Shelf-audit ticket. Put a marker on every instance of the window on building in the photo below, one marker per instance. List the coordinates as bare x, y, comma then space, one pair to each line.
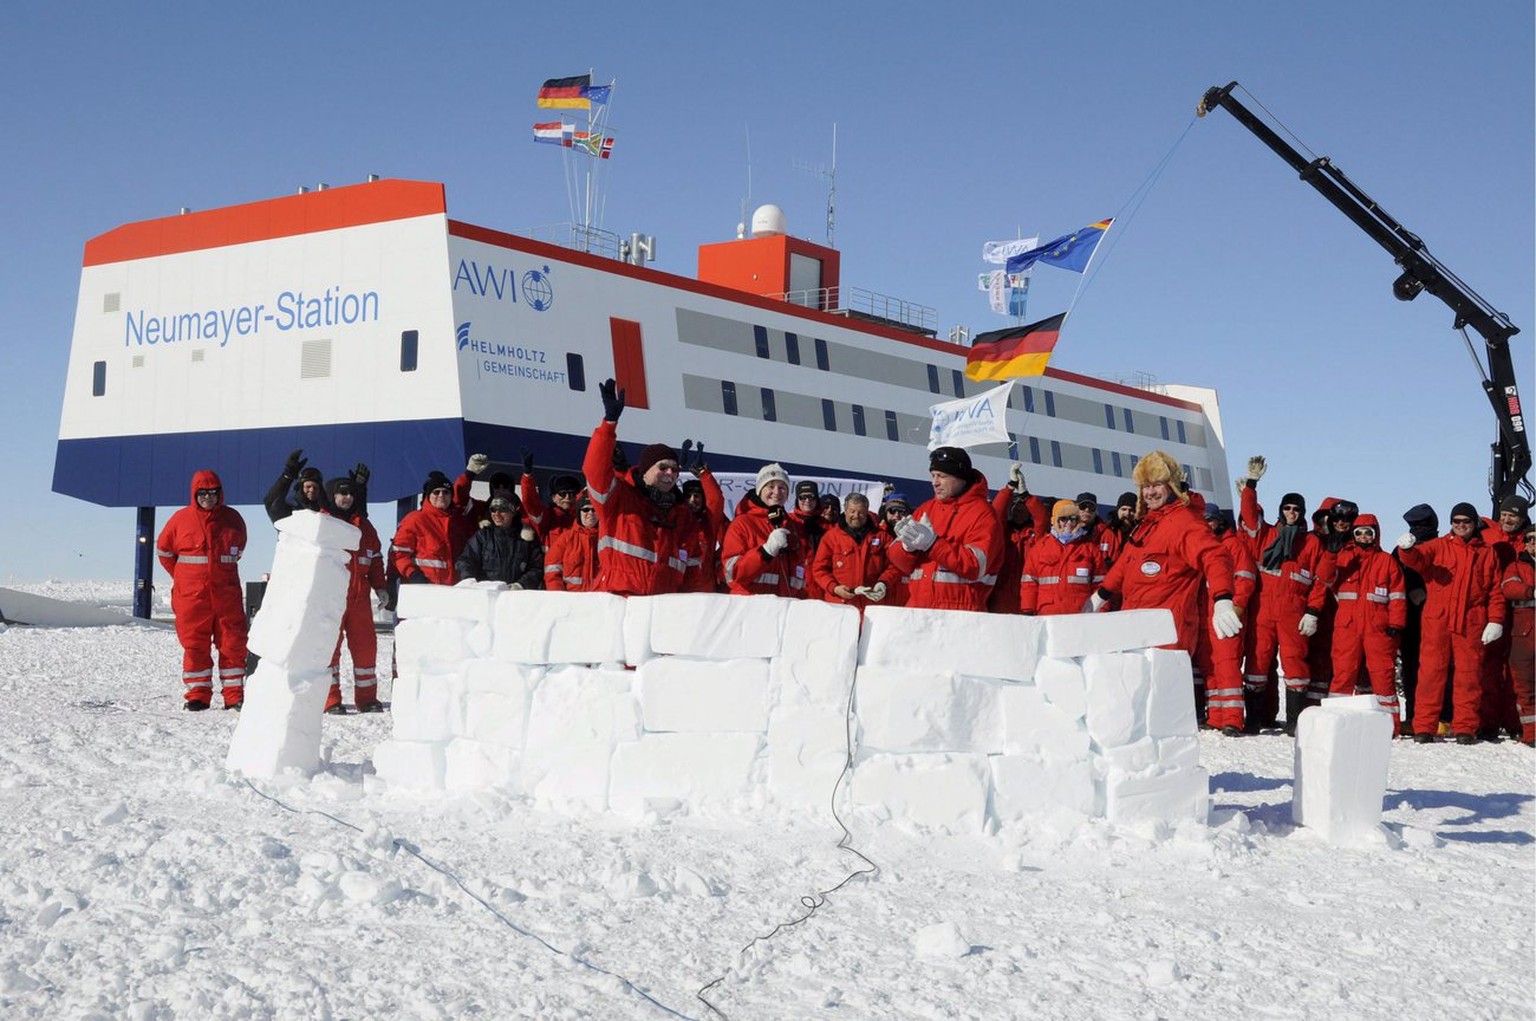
958, 378
1162, 420
770, 410
792, 348
933, 379
1114, 460
728, 396
858, 420
1130, 422
1098, 462
575, 372
1050, 404
408, 351
760, 338
892, 429
1180, 424
1029, 399
1109, 416
98, 379
822, 361
828, 415
1034, 449
1056, 453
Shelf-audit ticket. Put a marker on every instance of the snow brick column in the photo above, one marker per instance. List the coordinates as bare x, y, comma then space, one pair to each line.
295, 634
1343, 747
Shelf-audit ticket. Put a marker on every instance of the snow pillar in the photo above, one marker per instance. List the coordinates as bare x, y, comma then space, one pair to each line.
295, 634
1342, 750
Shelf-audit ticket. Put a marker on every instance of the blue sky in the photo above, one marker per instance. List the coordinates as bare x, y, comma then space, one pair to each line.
955, 126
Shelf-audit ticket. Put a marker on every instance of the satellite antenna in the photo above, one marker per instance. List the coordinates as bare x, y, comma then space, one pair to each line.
746, 202
822, 170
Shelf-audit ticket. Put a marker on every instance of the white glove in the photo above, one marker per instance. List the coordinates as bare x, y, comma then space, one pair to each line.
777, 542
514, 587
381, 596
1492, 632
477, 464
1307, 625
875, 592
1257, 466
1225, 620
1095, 602
915, 535
1240, 485
1406, 540
1016, 478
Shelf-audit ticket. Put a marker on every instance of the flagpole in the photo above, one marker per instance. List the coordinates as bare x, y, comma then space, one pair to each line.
1083, 281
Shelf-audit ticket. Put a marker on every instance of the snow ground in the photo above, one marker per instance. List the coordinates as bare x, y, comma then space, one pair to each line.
139, 880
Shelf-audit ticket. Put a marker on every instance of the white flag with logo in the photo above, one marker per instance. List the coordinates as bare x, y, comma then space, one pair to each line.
999, 252
971, 421
997, 292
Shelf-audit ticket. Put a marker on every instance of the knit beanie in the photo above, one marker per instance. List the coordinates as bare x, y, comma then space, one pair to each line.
1063, 509
436, 480
1465, 510
953, 461
769, 472
651, 455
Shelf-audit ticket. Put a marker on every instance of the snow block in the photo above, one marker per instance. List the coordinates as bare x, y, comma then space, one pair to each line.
425, 644
300, 614
807, 749
474, 765
507, 678
1061, 682
1178, 752
693, 768
918, 710
576, 719
1136, 757
1058, 793
475, 602
559, 627
1343, 749
495, 718
978, 644
280, 718
1080, 634
410, 765
322, 530
1173, 798
704, 696
1117, 696
637, 630
817, 655
1171, 694
941, 792
1033, 726
708, 625
428, 707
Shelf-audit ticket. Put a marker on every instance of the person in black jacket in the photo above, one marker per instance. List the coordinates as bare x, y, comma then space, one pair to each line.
308, 489
507, 550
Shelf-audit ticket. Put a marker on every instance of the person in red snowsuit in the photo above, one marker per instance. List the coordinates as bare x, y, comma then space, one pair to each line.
707, 502
1506, 537
200, 548
648, 537
561, 513
1464, 611
765, 550
1373, 610
571, 563
1062, 569
364, 586
1519, 588
807, 511
1294, 574
851, 564
428, 540
951, 547
1168, 554
1218, 660
1120, 524
1024, 519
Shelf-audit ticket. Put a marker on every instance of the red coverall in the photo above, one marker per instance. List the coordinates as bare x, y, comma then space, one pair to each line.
428, 541
1016, 542
200, 550
1373, 597
712, 522
1059, 577
1219, 661
571, 563
549, 521
854, 561
642, 550
748, 570
367, 576
1299, 585
958, 571
1462, 595
1519, 588
1499, 703
1162, 564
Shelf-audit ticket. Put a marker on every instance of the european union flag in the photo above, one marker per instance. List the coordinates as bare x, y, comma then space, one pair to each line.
1070, 251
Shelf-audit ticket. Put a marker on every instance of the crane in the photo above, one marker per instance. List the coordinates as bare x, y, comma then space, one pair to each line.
1421, 272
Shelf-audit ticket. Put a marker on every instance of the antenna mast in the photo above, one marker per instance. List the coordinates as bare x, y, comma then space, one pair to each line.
821, 170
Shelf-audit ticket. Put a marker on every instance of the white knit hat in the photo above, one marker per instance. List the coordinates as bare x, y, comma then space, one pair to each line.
768, 472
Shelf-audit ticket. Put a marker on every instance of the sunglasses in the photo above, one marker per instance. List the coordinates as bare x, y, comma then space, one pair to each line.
207, 492
1364, 532
1461, 521
440, 489
1292, 508
1065, 518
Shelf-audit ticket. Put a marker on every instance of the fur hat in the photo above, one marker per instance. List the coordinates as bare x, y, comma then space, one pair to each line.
649, 457
771, 472
436, 480
951, 461
1063, 509
1159, 466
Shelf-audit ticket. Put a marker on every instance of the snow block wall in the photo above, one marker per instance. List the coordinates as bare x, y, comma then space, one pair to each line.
961, 722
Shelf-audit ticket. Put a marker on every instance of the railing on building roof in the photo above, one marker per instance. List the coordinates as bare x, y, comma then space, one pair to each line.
866, 305
577, 237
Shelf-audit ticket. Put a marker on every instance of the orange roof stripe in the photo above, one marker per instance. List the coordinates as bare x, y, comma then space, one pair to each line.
331, 209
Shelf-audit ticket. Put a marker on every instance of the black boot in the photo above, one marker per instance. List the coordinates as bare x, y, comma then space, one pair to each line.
1251, 709
1295, 702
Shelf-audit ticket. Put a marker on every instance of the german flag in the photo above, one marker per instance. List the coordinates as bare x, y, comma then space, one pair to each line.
566, 93
1017, 351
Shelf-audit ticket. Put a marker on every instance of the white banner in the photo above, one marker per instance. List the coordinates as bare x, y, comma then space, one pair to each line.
971, 421
735, 485
997, 294
1016, 281
999, 252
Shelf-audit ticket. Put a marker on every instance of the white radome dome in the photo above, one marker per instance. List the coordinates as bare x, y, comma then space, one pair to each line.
768, 221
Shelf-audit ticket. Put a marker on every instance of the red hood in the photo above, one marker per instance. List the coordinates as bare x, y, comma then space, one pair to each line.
1369, 521
205, 479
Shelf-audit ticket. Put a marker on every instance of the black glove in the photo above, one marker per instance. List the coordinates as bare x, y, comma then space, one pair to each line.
417, 578
360, 473
613, 400
620, 460
699, 467
527, 461
295, 464
1394, 632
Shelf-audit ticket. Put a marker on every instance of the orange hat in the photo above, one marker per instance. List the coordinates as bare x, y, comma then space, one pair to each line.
1062, 509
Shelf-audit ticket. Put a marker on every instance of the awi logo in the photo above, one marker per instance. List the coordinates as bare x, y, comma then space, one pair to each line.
462, 333
537, 290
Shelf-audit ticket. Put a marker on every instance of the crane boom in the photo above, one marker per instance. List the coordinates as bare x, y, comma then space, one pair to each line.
1421, 272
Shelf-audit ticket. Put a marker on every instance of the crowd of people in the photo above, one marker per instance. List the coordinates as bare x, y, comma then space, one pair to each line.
1314, 603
